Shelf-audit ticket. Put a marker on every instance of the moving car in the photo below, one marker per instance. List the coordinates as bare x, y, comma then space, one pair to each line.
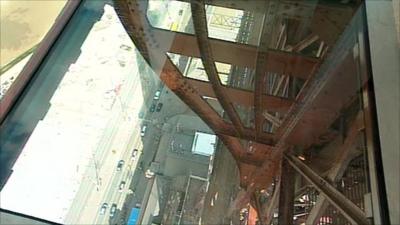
159, 106
121, 186
113, 210
143, 131
120, 165
157, 95
103, 208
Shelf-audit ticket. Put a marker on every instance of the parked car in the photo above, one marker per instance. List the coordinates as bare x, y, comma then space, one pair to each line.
134, 153
120, 165
103, 208
152, 108
157, 95
113, 210
121, 186
159, 106
143, 131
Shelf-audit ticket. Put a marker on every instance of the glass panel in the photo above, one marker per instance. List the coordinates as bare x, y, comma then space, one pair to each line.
246, 114
22, 27
170, 15
193, 67
83, 115
234, 25
99, 138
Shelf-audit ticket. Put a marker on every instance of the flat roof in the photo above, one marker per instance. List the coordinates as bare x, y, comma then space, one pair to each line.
204, 144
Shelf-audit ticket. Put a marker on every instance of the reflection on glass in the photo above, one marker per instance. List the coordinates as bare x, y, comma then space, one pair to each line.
89, 102
193, 67
170, 15
99, 139
23, 24
246, 114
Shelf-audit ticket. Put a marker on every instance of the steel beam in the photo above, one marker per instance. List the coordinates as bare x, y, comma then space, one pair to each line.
200, 27
258, 92
344, 154
269, 212
304, 123
256, 199
241, 55
351, 211
17, 87
174, 80
260, 75
170, 75
286, 196
243, 97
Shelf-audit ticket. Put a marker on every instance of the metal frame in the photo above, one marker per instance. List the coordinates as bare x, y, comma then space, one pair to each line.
17, 87
150, 42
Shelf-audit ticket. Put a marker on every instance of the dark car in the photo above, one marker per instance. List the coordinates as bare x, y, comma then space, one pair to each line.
120, 165
113, 210
152, 108
159, 106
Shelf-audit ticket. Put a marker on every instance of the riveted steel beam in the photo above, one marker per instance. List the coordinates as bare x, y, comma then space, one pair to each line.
269, 210
256, 199
200, 27
237, 54
132, 13
318, 104
258, 92
243, 97
351, 211
286, 196
344, 154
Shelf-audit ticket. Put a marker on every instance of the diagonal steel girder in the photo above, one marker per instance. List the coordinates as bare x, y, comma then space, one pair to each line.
344, 154
303, 124
132, 14
238, 54
351, 211
200, 27
243, 97
261, 63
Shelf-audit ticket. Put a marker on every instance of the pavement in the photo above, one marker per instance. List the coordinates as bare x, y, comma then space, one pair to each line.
121, 136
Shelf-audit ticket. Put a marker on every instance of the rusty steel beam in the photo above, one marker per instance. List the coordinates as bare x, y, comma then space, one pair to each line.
309, 118
131, 15
260, 75
241, 55
269, 211
344, 155
258, 92
273, 119
286, 196
200, 27
256, 200
243, 97
321, 109
238, 54
174, 80
351, 211
304, 43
